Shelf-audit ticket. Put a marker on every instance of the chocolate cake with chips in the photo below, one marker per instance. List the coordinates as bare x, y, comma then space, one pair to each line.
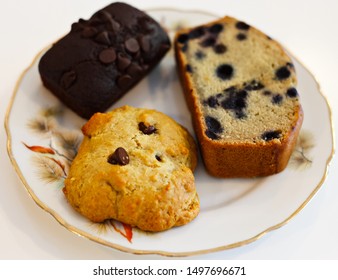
240, 86
102, 58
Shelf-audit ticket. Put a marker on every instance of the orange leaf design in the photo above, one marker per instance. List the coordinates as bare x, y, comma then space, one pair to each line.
40, 149
128, 230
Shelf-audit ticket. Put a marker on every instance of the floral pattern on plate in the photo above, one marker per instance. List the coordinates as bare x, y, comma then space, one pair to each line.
43, 140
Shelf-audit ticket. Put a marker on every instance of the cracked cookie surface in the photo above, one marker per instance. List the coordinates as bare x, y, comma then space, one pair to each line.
136, 166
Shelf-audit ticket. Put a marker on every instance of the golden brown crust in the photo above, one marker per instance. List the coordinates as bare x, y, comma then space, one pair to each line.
245, 160
154, 191
236, 158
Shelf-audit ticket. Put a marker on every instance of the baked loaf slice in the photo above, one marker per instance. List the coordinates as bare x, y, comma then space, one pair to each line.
136, 166
100, 59
240, 87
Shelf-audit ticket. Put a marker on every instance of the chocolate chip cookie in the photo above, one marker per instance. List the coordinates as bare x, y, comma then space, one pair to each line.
136, 166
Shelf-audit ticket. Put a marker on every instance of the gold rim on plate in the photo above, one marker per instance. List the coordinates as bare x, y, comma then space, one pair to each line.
84, 234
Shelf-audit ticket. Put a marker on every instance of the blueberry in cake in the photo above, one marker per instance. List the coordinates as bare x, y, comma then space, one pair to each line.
100, 59
240, 86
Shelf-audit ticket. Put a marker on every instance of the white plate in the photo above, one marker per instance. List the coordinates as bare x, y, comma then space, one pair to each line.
42, 135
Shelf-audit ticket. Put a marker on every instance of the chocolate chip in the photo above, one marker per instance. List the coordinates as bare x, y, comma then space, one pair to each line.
277, 99
95, 21
213, 125
83, 21
107, 56
103, 38
242, 25
267, 92
241, 36
145, 67
220, 48
145, 43
183, 38
282, 73
120, 157
271, 134
158, 158
89, 31
132, 45
76, 26
124, 81
113, 25
68, 79
105, 16
292, 92
150, 129
225, 71
216, 28
199, 55
122, 61
197, 32
134, 70
146, 24
137, 55
208, 42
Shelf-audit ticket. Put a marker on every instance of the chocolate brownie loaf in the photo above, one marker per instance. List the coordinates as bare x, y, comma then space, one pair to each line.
100, 59
240, 86
136, 166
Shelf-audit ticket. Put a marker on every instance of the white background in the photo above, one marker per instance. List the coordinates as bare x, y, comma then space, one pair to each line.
307, 28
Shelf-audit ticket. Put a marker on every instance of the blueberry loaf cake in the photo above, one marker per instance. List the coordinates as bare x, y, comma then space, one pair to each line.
240, 87
100, 59
136, 166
